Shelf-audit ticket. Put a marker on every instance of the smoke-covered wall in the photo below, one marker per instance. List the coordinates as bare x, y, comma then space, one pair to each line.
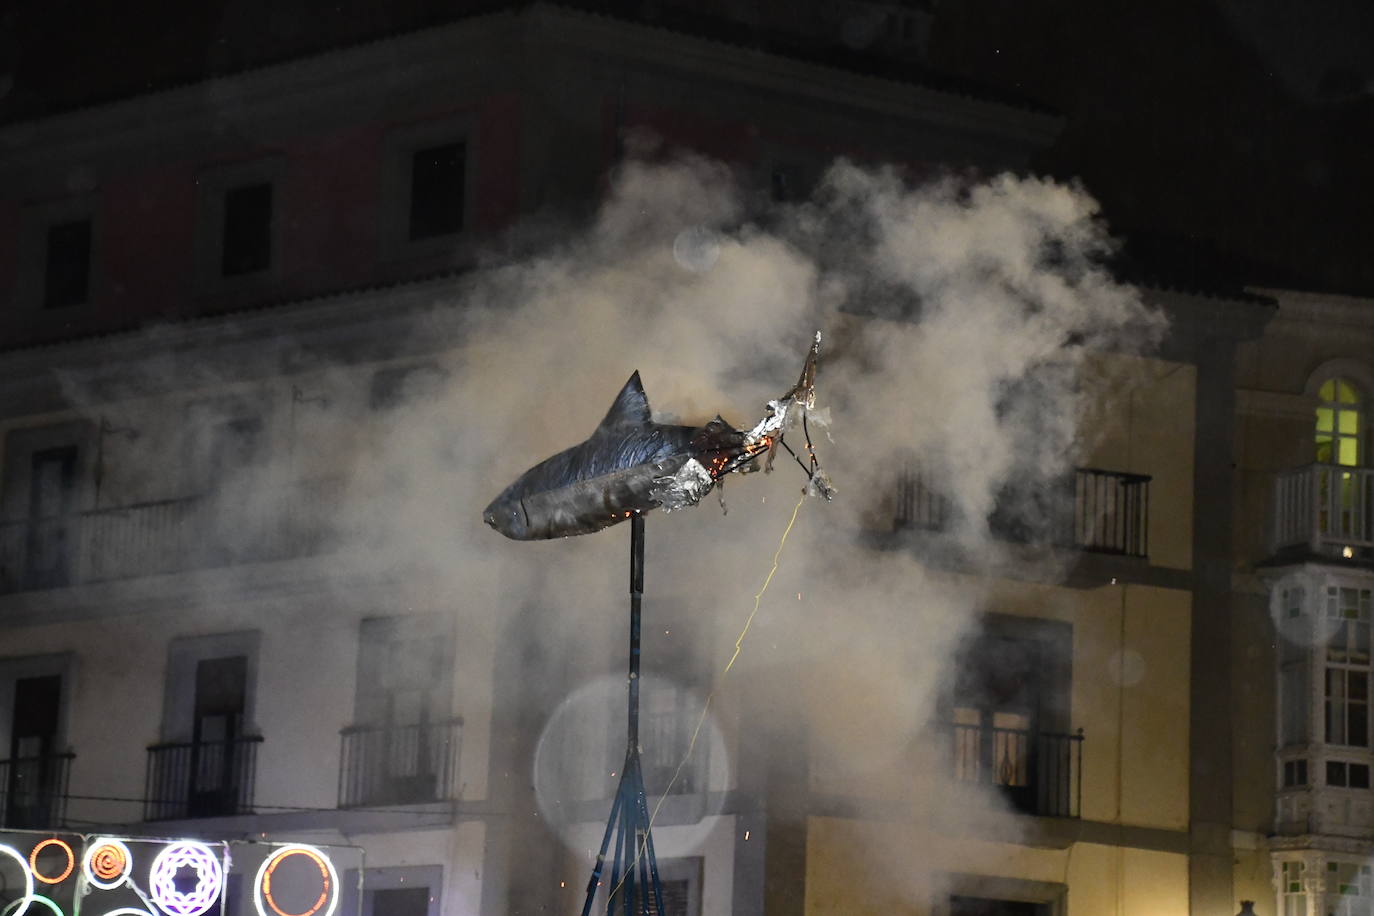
958, 320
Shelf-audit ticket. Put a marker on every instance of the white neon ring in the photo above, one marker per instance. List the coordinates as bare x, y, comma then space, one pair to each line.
28, 878
282, 852
104, 884
128, 911
46, 901
162, 879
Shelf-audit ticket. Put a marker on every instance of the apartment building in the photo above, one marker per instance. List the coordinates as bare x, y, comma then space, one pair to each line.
235, 606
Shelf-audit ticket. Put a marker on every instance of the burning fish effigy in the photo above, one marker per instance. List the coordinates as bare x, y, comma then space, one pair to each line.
631, 464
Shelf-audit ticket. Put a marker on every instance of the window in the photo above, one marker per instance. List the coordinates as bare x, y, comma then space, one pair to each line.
1295, 670
1292, 898
33, 771
428, 187
1347, 666
1295, 773
437, 179
205, 764
247, 238
669, 708
239, 225
1347, 775
67, 264
411, 890
1009, 714
1349, 889
984, 906
1339, 423
402, 747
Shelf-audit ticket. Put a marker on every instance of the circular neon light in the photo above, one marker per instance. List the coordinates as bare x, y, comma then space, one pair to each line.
29, 896
107, 863
39, 898
329, 880
128, 911
60, 844
162, 879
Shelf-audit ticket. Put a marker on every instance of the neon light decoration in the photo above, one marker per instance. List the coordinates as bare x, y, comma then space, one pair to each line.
37, 898
128, 911
28, 880
60, 844
107, 863
209, 879
329, 883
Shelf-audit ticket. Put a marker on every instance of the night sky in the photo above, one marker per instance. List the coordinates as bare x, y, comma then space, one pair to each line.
1238, 130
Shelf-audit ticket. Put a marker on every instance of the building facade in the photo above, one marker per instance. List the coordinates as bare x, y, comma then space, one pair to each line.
222, 298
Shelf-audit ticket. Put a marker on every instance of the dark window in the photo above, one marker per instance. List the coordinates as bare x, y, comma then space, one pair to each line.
67, 274
400, 901
1294, 773
221, 691
437, 191
1347, 775
247, 230
33, 772
1009, 715
983, 906
52, 491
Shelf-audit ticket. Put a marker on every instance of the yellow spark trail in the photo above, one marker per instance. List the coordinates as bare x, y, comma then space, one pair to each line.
706, 707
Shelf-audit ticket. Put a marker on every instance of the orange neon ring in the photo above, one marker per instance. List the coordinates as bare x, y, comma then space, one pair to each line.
33, 860
282, 857
109, 862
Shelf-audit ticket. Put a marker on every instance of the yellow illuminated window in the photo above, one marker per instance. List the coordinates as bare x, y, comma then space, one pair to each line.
1339, 423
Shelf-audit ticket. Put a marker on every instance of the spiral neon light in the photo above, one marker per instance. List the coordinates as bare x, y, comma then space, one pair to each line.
329, 880
29, 895
37, 898
107, 863
60, 844
162, 879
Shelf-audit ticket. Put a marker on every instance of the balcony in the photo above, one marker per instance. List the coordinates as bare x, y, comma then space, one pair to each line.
33, 791
1324, 510
1038, 772
1091, 510
200, 779
167, 536
399, 764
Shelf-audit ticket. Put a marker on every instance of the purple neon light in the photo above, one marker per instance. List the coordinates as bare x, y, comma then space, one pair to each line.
209, 879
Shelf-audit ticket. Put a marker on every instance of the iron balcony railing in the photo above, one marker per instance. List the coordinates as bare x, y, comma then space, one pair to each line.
166, 536
1093, 510
33, 791
200, 779
1040, 773
399, 764
1324, 509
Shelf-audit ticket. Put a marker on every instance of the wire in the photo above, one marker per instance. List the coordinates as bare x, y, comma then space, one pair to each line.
706, 707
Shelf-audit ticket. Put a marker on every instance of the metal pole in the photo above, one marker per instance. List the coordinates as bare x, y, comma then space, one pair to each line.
636, 600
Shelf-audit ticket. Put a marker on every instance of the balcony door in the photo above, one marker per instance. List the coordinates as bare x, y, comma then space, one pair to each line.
217, 727
997, 713
984, 906
32, 782
52, 488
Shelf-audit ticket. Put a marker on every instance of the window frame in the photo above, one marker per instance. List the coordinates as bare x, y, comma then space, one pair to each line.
212, 185
31, 283
184, 653
398, 151
395, 877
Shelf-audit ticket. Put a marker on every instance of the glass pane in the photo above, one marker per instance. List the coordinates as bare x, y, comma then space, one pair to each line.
1327, 392
1324, 421
1347, 392
1349, 452
1348, 421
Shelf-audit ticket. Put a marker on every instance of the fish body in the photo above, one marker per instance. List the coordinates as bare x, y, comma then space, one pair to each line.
621, 468
631, 464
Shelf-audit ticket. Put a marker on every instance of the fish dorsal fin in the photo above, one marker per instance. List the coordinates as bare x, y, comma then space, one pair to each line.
630, 407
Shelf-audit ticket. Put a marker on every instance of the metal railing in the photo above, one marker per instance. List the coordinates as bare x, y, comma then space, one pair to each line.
33, 791
200, 779
399, 764
165, 536
1110, 511
1040, 773
1324, 509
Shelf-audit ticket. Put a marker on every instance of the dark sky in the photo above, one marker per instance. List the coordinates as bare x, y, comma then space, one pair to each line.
1241, 126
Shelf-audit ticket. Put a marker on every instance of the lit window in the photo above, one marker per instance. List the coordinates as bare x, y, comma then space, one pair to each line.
1339, 423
